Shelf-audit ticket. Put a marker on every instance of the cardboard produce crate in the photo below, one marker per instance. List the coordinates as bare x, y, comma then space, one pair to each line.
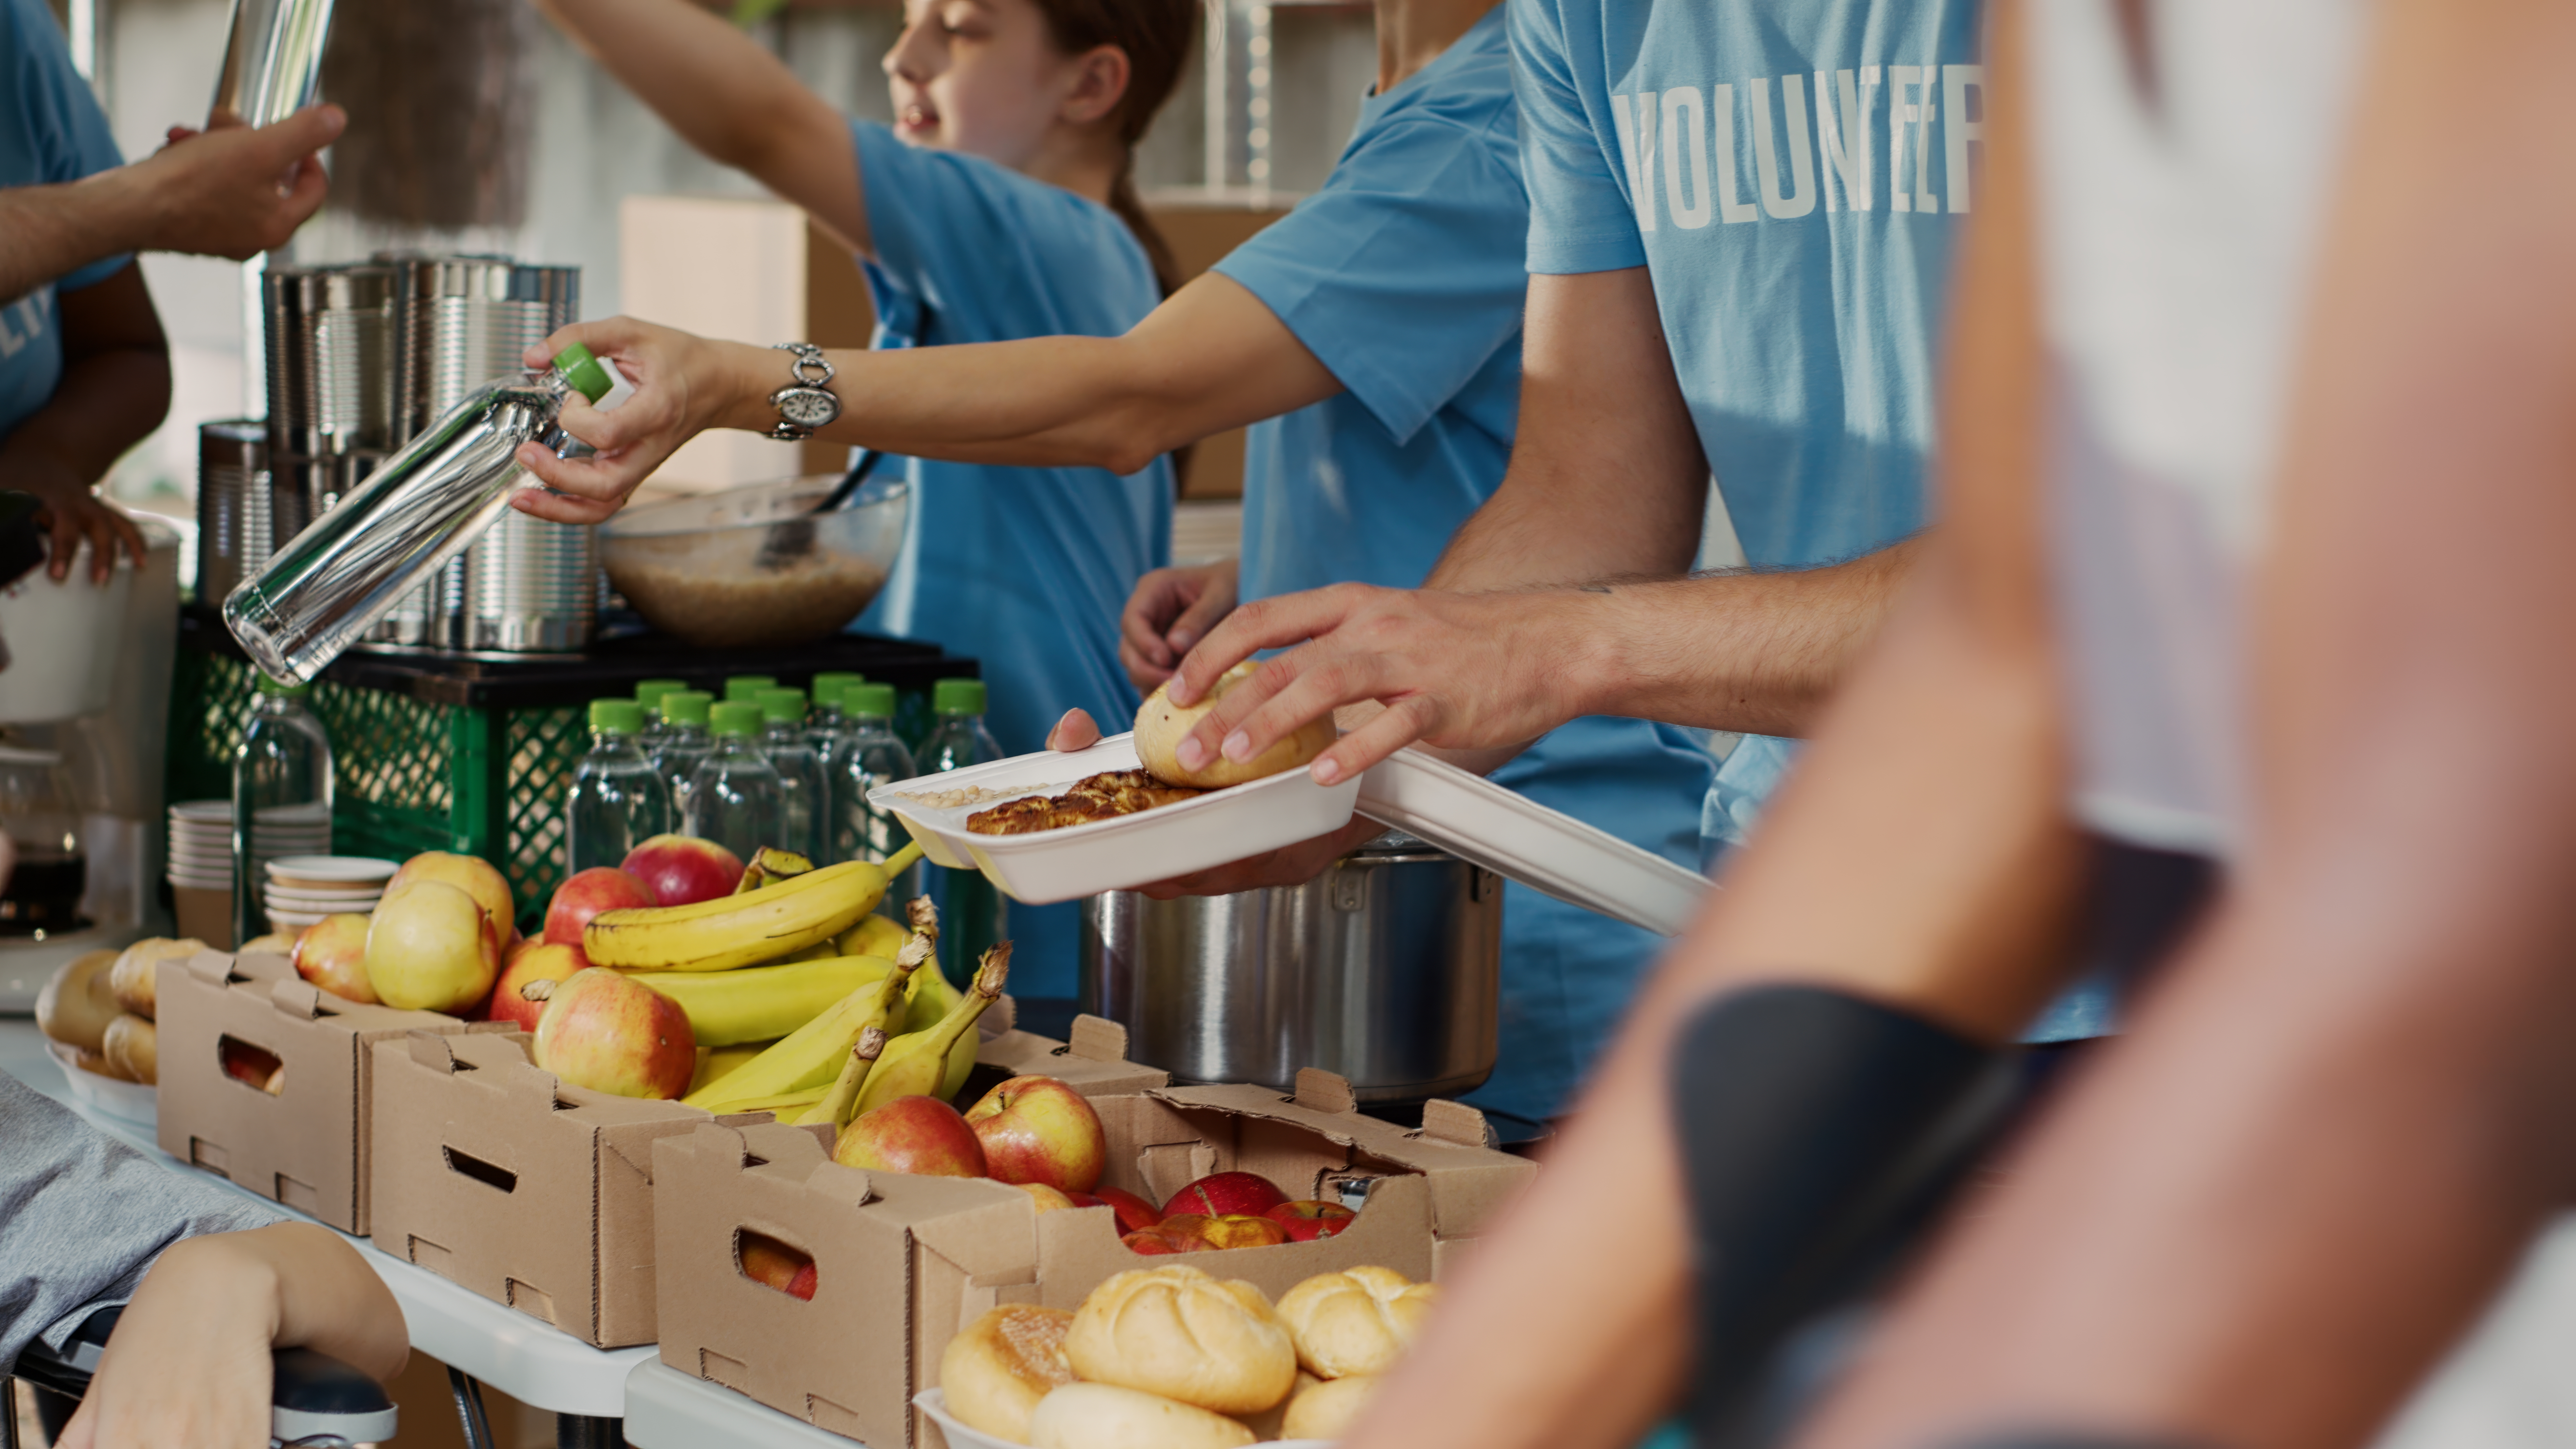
510, 1183
1094, 1062
902, 1262
308, 1147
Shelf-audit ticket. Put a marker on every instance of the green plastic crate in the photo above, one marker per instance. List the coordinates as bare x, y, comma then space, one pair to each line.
447, 753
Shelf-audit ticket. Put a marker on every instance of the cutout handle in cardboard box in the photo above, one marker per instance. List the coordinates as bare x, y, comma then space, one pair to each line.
1097, 1039
1447, 1121
297, 998
1322, 1091
213, 968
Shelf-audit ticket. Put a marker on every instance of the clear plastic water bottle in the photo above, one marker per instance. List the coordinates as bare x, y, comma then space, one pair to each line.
735, 799
618, 799
746, 688
871, 755
685, 742
423, 506
803, 809
826, 727
972, 912
281, 796
648, 693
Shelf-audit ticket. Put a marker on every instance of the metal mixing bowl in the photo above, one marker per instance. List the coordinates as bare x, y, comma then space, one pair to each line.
752, 567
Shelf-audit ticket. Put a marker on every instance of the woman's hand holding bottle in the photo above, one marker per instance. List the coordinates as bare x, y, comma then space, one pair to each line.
684, 385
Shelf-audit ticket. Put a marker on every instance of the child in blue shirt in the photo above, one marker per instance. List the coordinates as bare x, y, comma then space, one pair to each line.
1001, 204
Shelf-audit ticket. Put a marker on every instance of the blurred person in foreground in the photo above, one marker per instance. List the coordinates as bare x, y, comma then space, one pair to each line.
2255, 482
84, 370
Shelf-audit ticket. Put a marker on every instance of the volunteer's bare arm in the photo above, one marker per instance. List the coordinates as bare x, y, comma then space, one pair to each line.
115, 385
2330, 1137
1569, 1327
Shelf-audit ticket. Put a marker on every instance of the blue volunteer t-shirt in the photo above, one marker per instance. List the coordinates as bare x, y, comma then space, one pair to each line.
1793, 176
1024, 569
1403, 276
51, 131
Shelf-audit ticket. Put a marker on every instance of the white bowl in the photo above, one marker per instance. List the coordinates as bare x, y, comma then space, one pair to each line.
317, 870
131, 1101
1116, 854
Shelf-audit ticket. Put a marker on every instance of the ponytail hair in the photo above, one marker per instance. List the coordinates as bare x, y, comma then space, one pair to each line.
1156, 35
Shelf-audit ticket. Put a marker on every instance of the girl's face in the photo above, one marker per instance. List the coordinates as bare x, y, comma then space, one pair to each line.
984, 77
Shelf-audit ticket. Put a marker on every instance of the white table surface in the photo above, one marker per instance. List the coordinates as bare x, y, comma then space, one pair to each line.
528, 1359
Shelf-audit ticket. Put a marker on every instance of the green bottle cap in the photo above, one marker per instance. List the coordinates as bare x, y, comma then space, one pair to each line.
687, 706
957, 696
828, 685
616, 717
782, 706
736, 719
868, 701
649, 692
269, 684
583, 371
747, 687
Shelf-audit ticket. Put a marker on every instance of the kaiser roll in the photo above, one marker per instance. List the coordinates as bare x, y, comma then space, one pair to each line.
1180, 1333
1355, 1322
1160, 726
1104, 1416
134, 1045
1325, 1409
995, 1372
78, 1003
132, 976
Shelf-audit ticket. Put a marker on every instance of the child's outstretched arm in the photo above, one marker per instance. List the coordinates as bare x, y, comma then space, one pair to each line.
189, 1365
728, 97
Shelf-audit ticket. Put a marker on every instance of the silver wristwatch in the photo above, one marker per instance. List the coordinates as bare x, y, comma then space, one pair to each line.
805, 404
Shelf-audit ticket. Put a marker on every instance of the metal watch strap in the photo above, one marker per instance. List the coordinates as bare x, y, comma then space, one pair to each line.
811, 370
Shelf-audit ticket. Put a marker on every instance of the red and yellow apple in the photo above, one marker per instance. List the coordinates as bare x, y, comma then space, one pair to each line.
1311, 1218
1240, 1230
332, 954
1047, 1198
1037, 1129
1150, 1243
682, 870
250, 1065
532, 961
612, 1033
431, 948
474, 876
1134, 1213
920, 1135
767, 1261
1223, 1193
589, 892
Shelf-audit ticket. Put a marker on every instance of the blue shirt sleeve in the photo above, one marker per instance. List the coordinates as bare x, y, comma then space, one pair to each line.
1403, 275
991, 254
61, 126
1581, 217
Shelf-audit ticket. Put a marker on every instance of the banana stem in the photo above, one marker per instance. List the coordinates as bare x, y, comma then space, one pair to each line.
901, 861
838, 1104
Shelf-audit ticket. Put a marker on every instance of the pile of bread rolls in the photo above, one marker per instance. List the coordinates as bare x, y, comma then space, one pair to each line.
101, 1005
1174, 1358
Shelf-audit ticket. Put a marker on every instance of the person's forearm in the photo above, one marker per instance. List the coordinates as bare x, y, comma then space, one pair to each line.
327, 1299
48, 231
105, 403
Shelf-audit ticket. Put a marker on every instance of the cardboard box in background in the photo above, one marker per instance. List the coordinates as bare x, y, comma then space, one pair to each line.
309, 1146
903, 1262
1094, 1062
533, 1193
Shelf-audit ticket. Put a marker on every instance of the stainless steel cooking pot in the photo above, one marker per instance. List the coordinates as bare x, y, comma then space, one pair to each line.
1385, 969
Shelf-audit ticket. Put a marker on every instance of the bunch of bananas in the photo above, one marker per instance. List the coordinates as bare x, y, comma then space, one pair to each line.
798, 992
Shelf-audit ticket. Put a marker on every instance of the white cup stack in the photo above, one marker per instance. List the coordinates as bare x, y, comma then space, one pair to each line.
302, 889
201, 840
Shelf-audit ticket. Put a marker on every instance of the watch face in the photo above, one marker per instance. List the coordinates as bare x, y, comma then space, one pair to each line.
807, 407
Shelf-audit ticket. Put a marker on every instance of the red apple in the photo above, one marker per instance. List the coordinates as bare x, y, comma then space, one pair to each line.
532, 961
1309, 1219
247, 1064
332, 954
682, 870
1083, 1199
1134, 1213
613, 1033
474, 876
1037, 1129
1151, 1244
1220, 1194
1240, 1230
586, 894
767, 1261
430, 947
1187, 1232
1047, 1198
920, 1135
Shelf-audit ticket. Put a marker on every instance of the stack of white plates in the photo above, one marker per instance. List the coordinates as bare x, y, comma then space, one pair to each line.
302, 889
201, 840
